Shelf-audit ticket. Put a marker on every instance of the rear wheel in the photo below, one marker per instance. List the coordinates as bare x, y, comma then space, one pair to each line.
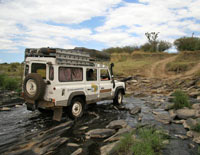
76, 109
118, 98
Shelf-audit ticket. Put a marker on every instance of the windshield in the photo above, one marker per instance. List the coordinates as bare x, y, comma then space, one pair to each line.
39, 69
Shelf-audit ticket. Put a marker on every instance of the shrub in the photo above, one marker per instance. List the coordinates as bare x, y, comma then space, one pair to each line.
8, 83
2, 78
187, 43
180, 100
125, 49
148, 142
164, 45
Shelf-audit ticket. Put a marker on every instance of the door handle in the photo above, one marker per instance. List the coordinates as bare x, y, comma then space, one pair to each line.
89, 89
102, 87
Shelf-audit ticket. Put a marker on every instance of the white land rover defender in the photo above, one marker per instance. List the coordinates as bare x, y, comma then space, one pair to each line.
68, 79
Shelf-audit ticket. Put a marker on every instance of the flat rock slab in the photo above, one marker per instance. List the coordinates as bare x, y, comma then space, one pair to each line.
186, 113
107, 149
163, 118
117, 124
135, 110
100, 133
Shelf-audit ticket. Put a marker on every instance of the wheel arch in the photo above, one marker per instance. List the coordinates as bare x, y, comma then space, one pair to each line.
120, 88
80, 94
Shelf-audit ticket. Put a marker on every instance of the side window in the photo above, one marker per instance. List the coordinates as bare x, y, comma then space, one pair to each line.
51, 73
39, 69
91, 74
104, 75
69, 74
26, 69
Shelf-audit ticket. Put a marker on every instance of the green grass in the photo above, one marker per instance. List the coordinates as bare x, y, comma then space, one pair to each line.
135, 63
184, 62
147, 142
9, 83
180, 100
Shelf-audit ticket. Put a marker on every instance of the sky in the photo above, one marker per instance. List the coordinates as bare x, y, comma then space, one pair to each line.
96, 24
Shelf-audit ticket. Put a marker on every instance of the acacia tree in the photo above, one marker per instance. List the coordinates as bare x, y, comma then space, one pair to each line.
152, 38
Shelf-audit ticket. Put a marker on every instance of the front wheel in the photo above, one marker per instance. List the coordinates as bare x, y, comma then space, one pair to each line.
118, 98
76, 109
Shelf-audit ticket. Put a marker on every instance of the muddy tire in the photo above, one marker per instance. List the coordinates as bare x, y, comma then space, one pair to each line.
34, 87
76, 109
118, 98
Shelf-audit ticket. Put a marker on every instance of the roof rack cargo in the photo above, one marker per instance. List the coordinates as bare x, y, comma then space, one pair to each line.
77, 56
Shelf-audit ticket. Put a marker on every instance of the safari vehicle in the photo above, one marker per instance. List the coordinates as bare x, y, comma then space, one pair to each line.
67, 79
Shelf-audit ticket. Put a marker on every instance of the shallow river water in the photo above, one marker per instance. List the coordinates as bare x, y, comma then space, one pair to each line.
19, 127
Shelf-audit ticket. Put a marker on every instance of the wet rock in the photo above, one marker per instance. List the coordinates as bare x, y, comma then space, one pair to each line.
72, 145
196, 140
18, 106
146, 81
165, 142
196, 106
163, 118
100, 133
135, 110
178, 121
181, 136
117, 135
194, 94
172, 114
198, 97
84, 128
108, 149
5, 109
189, 123
186, 113
77, 152
191, 146
117, 124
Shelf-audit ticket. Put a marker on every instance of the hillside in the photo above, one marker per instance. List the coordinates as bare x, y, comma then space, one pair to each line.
157, 65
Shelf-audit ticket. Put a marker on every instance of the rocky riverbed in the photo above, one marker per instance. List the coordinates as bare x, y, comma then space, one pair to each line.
148, 102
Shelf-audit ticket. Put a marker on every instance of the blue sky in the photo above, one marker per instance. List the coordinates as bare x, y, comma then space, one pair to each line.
94, 24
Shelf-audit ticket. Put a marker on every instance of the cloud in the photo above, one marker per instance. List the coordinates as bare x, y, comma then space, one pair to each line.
172, 18
68, 23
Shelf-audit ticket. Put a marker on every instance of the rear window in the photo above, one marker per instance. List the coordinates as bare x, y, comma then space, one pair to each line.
69, 74
39, 69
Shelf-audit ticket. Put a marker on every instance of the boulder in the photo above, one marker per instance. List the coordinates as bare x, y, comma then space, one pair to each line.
172, 114
72, 145
163, 118
196, 106
135, 110
186, 113
100, 133
5, 109
189, 123
107, 149
77, 152
117, 124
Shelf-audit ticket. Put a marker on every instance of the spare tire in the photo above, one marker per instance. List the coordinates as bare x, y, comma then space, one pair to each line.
34, 86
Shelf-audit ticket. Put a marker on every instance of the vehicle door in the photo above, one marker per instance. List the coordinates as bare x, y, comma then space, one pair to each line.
92, 85
105, 84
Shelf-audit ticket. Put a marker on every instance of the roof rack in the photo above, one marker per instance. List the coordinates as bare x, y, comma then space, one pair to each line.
63, 56
78, 56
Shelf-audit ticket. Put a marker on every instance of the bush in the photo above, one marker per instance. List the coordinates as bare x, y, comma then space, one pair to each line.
187, 43
161, 46
164, 45
125, 49
8, 83
180, 100
149, 141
